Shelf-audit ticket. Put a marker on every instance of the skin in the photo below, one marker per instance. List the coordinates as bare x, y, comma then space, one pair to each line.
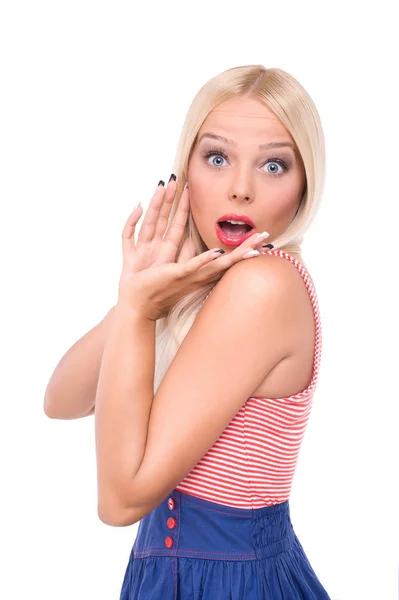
242, 183
145, 448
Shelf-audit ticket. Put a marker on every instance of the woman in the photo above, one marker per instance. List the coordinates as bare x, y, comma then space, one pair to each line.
200, 414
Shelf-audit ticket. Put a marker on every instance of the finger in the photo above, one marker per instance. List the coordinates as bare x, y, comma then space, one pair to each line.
206, 259
226, 260
176, 229
213, 261
187, 252
166, 207
147, 230
254, 241
130, 226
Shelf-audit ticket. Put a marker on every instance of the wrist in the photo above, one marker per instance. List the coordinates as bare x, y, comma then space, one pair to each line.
125, 311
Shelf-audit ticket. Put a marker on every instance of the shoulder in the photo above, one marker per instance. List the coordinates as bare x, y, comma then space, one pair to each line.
263, 297
267, 275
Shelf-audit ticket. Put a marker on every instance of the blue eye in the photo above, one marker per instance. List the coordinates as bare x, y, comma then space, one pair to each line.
219, 152
215, 153
277, 161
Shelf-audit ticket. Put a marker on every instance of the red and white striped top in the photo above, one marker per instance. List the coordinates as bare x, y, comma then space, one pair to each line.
252, 463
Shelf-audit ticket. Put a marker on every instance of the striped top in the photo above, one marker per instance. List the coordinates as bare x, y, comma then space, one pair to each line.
252, 463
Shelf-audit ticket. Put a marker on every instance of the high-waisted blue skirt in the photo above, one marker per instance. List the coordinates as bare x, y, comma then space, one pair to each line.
188, 548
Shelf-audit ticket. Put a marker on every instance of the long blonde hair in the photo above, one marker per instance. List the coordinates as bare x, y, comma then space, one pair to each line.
289, 101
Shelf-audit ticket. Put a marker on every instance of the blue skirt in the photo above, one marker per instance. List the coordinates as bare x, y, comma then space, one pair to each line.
188, 548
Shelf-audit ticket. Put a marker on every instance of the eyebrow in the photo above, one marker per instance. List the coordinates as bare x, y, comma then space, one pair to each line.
266, 146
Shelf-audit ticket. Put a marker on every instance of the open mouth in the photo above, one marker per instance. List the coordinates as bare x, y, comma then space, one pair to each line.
234, 230
231, 234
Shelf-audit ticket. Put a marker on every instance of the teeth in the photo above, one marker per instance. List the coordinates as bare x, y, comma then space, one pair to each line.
236, 222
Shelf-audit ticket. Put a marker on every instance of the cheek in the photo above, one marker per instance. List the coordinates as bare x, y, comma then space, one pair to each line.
282, 207
281, 201
285, 195
198, 183
200, 210
201, 193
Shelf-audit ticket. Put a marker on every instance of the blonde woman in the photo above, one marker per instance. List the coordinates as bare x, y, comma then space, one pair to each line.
201, 407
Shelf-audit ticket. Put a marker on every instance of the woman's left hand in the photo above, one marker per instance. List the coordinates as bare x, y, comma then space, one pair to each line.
151, 281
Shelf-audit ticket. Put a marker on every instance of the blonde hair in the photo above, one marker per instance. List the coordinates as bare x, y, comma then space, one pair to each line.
289, 101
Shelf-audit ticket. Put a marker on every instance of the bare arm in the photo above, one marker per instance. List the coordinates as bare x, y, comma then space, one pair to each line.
71, 391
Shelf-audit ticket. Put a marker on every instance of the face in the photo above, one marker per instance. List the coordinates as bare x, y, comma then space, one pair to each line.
238, 178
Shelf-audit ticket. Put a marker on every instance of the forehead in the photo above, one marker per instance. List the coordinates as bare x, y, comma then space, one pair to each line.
244, 117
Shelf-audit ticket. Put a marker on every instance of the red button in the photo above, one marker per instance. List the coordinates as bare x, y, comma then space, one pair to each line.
168, 542
171, 503
171, 523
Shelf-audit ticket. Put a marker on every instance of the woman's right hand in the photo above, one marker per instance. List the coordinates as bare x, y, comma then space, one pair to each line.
150, 248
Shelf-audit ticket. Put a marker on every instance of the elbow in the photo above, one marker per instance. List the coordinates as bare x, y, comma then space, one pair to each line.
63, 412
52, 413
49, 409
117, 518
112, 511
49, 406
106, 518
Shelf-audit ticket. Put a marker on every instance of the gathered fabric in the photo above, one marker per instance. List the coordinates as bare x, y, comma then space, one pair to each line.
189, 548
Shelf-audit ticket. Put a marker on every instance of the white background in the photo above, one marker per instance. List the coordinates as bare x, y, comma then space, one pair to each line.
93, 99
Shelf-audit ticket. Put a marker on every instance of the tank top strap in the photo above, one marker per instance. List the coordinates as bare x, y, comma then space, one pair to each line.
316, 310
304, 273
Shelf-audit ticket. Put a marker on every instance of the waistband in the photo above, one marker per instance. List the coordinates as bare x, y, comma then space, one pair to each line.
185, 525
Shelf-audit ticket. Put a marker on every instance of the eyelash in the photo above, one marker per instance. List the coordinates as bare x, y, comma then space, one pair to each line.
218, 151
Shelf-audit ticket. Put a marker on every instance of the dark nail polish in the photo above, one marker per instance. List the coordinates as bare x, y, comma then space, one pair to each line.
173, 176
268, 246
221, 251
161, 183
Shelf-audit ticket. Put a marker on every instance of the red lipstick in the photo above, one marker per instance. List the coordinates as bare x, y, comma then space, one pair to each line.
230, 239
232, 217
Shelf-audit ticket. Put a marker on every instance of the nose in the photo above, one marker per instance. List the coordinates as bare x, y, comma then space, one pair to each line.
235, 196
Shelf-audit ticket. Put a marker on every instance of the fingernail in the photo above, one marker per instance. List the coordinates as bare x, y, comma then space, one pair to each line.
268, 246
251, 253
173, 176
161, 182
261, 237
